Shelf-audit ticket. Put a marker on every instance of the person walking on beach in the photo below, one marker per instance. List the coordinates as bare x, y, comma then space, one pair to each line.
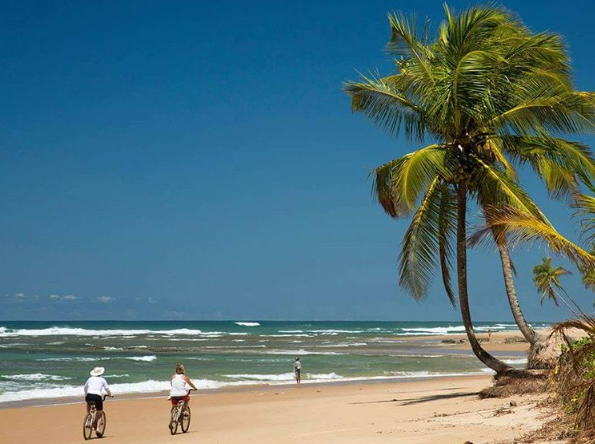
180, 384
95, 387
297, 369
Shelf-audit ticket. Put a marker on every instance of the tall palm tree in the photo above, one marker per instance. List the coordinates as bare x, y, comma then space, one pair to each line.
489, 94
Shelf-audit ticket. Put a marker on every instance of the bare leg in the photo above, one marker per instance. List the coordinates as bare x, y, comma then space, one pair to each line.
99, 418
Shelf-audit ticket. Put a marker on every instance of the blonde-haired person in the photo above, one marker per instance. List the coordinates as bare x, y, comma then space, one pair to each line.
180, 386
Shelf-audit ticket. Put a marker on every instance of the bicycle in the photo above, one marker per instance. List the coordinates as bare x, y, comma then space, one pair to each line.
180, 416
89, 424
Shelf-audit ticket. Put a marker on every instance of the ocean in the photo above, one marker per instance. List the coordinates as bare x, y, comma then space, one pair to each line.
48, 360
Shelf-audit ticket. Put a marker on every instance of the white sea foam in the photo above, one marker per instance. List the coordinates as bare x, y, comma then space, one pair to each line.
248, 324
300, 352
68, 331
143, 358
296, 335
515, 361
451, 329
35, 377
100, 358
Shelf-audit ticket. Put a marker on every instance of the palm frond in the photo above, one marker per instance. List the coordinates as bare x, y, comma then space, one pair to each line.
523, 228
585, 209
422, 240
446, 232
413, 173
549, 109
560, 163
387, 107
381, 189
500, 189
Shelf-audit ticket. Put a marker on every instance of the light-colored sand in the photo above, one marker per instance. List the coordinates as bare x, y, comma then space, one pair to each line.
439, 411
498, 342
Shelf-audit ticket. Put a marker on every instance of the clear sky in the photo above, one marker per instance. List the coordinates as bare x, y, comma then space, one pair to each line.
199, 160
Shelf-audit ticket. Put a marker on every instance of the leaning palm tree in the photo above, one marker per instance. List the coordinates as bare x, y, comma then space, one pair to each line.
489, 94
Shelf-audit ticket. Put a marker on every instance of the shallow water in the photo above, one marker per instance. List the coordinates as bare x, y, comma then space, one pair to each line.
41, 360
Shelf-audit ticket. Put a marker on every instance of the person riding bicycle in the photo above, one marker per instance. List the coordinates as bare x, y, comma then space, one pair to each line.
179, 386
95, 387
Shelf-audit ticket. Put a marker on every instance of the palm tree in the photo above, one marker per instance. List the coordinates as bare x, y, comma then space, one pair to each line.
588, 278
489, 94
546, 278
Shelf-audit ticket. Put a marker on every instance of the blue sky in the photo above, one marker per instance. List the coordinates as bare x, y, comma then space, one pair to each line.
198, 160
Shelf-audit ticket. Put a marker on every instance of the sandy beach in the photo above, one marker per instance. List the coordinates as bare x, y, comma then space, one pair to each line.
499, 342
445, 410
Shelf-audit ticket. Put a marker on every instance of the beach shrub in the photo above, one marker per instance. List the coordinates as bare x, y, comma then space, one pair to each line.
574, 376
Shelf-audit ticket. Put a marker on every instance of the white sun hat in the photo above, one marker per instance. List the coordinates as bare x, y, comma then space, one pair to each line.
97, 371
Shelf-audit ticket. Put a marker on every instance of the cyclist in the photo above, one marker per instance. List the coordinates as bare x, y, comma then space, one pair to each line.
95, 387
179, 386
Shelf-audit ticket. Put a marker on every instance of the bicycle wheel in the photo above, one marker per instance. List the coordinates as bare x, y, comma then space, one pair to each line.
173, 422
88, 426
185, 419
101, 424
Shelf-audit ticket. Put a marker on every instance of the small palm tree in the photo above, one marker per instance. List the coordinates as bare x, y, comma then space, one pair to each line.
546, 278
489, 94
588, 274
589, 279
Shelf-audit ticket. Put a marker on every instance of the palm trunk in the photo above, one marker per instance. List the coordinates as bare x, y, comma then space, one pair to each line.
490, 361
513, 300
580, 312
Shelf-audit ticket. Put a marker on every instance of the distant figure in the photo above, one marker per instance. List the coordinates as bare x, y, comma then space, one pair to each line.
95, 387
297, 369
489, 335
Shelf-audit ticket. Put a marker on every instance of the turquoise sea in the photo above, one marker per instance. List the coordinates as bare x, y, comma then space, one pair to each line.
48, 360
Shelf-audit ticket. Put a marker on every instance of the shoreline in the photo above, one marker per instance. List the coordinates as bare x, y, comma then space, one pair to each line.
436, 411
72, 400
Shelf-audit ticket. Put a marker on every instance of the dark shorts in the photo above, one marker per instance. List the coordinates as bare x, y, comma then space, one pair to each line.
297, 372
176, 399
98, 400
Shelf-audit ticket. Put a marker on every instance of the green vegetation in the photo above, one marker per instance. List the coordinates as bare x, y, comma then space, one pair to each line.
490, 95
574, 376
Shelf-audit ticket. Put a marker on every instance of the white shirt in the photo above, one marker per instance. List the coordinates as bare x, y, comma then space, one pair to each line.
179, 386
297, 365
95, 385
